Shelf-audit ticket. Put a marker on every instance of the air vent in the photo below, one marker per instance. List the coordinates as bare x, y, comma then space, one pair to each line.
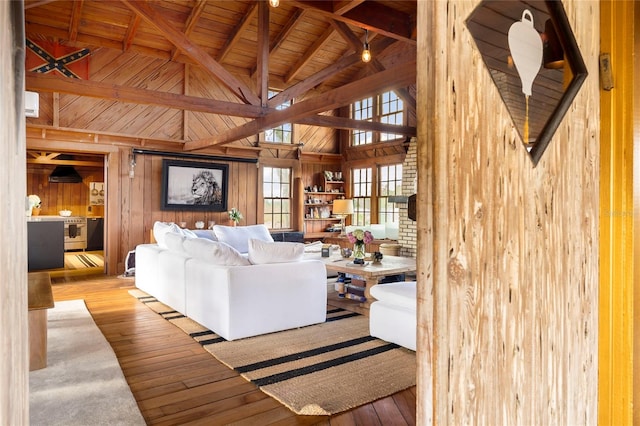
32, 104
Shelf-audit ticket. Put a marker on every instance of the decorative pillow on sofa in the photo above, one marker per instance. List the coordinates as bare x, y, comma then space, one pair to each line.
160, 229
238, 236
205, 233
277, 252
214, 252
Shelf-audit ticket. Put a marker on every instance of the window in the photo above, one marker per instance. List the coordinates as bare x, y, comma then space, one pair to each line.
385, 108
389, 184
361, 197
282, 133
276, 191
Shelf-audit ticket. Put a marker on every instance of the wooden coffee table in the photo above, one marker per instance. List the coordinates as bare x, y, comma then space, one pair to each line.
390, 265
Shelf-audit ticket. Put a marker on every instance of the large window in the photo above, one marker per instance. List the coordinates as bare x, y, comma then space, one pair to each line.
276, 191
361, 197
282, 133
389, 184
385, 108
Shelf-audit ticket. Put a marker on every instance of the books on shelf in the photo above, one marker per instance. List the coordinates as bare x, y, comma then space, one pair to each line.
355, 297
354, 289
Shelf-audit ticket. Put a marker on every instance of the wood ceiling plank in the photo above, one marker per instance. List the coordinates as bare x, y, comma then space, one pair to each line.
235, 35
154, 18
49, 83
400, 76
309, 54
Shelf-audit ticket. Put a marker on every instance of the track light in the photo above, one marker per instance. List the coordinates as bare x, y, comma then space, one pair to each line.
274, 3
366, 52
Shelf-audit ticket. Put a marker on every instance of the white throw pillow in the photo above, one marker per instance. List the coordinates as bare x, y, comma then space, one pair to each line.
162, 228
238, 236
277, 252
213, 252
174, 241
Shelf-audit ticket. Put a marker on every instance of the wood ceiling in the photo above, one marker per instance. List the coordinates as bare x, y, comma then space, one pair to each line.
308, 49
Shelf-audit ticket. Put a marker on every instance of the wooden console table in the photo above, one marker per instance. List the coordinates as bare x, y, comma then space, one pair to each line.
40, 299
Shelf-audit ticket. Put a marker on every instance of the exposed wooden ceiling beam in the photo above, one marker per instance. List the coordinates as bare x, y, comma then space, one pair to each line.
322, 75
134, 23
372, 16
191, 23
94, 89
198, 54
29, 5
262, 61
309, 54
76, 12
234, 37
286, 30
350, 124
400, 76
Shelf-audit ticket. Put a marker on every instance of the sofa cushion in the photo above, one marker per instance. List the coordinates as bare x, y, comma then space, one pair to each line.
402, 294
173, 241
160, 229
214, 252
205, 233
261, 252
238, 236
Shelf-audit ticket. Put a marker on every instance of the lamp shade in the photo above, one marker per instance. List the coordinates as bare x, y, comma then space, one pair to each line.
342, 207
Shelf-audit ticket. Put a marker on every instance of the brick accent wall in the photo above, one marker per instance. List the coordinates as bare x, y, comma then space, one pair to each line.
407, 237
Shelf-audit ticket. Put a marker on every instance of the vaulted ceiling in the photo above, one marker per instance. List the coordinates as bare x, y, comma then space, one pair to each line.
310, 50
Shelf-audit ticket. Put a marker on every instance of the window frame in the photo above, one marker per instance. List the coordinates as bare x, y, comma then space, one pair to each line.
375, 112
282, 201
284, 128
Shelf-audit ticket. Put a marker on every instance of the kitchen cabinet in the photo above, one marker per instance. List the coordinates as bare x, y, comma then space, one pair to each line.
95, 233
45, 245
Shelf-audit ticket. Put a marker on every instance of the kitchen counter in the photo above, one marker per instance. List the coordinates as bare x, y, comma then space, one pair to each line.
45, 218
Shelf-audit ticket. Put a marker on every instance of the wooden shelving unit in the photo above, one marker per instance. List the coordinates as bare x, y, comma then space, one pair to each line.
318, 209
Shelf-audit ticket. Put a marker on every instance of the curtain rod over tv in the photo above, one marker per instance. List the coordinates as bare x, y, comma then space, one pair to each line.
196, 156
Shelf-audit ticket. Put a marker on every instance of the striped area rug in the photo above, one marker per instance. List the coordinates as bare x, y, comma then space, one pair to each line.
83, 260
321, 369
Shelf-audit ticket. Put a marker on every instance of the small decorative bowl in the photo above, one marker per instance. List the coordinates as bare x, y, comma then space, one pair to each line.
65, 213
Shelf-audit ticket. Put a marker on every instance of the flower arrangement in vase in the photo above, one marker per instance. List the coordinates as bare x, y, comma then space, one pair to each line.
235, 216
34, 205
359, 238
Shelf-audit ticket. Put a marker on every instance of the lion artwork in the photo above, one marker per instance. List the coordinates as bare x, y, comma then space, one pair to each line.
205, 189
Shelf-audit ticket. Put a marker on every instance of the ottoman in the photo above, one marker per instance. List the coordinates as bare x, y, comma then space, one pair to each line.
392, 317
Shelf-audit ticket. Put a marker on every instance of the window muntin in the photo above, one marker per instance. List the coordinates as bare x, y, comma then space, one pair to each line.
284, 132
384, 108
389, 184
362, 184
276, 192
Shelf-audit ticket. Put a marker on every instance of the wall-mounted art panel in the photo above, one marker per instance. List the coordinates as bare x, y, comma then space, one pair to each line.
533, 58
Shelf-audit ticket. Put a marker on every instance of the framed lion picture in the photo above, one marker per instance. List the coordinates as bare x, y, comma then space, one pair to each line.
196, 186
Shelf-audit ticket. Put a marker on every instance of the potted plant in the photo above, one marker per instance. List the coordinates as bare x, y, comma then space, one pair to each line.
235, 216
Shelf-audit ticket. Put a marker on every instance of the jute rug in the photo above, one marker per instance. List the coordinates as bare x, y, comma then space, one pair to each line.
321, 369
82, 383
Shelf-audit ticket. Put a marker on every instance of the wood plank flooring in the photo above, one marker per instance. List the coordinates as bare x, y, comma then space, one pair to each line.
175, 381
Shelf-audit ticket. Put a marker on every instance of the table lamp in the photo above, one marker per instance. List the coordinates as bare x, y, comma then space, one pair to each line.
341, 209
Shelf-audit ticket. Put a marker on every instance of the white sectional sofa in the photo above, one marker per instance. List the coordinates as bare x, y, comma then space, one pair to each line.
244, 284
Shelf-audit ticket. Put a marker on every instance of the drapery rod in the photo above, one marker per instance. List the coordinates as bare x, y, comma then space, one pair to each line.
197, 156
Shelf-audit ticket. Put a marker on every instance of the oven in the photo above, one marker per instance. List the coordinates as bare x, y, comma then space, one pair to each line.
75, 233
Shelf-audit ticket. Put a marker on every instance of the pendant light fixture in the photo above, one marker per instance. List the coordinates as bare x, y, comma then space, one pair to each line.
274, 3
366, 52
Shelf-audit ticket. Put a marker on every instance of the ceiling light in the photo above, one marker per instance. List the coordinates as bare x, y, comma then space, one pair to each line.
366, 52
274, 3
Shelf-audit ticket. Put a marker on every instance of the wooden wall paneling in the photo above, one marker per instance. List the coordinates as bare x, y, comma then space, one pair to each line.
14, 362
515, 261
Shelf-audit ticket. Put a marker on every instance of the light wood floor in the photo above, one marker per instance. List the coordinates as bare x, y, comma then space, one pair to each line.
175, 381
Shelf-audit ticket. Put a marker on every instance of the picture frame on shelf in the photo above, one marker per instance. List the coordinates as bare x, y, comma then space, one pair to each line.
194, 186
